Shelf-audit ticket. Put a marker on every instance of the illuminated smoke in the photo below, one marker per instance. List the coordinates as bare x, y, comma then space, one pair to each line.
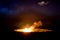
33, 28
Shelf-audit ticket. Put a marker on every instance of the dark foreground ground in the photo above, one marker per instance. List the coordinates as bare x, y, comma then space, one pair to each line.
32, 36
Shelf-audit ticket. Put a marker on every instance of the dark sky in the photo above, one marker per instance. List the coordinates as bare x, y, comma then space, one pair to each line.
16, 7
13, 7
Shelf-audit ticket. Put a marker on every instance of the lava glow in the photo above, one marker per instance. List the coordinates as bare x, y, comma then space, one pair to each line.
27, 30
33, 28
24, 30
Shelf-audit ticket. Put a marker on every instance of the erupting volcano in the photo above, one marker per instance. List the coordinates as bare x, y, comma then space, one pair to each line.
33, 28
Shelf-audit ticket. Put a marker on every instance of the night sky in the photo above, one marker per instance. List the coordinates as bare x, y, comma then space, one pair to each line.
12, 10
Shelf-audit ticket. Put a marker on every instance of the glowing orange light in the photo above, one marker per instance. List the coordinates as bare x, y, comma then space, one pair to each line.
33, 28
26, 30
